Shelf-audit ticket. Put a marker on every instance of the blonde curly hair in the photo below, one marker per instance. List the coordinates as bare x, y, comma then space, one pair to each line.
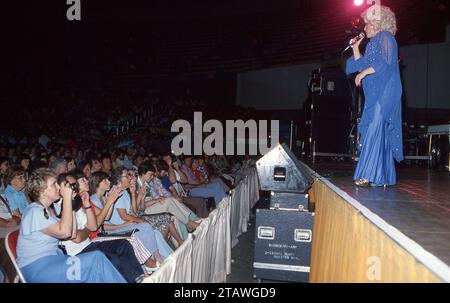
37, 182
383, 21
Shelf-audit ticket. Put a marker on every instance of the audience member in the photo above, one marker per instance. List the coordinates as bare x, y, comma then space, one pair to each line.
38, 255
58, 166
119, 252
15, 180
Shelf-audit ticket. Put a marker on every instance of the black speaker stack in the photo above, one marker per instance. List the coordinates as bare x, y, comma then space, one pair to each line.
284, 233
327, 115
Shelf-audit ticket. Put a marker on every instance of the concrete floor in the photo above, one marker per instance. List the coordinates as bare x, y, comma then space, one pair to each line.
242, 254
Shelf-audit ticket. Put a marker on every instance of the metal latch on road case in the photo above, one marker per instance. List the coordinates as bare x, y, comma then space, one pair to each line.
302, 235
266, 232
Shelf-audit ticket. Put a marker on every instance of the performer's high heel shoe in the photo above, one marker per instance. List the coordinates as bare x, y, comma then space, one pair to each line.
362, 183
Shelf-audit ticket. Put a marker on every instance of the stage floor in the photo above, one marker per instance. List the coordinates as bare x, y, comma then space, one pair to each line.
418, 206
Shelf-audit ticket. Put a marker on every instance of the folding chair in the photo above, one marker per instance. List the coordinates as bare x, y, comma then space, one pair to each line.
11, 245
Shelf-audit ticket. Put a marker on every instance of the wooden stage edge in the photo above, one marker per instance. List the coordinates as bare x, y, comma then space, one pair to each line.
346, 233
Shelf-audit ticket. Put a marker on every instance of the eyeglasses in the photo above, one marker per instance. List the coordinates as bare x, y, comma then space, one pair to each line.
128, 175
23, 177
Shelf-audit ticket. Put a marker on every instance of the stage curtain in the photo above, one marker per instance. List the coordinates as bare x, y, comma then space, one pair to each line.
206, 255
243, 197
212, 246
254, 188
236, 211
177, 267
245, 213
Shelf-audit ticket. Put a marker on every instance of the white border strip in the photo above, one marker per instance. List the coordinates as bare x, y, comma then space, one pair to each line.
433, 263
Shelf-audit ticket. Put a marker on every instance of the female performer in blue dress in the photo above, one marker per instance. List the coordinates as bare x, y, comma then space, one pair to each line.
380, 125
38, 255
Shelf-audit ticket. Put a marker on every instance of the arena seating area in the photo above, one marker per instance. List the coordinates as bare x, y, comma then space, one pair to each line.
253, 41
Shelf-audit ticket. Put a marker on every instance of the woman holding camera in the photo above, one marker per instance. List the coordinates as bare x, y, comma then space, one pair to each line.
38, 255
118, 251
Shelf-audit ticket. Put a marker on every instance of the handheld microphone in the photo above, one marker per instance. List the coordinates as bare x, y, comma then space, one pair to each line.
362, 35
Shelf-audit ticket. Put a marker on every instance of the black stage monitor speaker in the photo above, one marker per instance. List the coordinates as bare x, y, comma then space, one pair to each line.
280, 170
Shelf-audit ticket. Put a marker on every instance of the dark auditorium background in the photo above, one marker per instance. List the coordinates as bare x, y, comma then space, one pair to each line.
210, 50
123, 73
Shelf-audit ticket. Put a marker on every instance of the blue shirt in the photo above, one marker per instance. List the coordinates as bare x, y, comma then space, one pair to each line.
16, 199
189, 174
33, 244
123, 202
166, 183
97, 202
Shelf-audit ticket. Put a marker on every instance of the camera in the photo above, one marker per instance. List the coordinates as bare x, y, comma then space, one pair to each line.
75, 187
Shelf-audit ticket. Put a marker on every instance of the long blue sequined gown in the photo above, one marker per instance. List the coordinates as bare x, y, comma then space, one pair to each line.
380, 126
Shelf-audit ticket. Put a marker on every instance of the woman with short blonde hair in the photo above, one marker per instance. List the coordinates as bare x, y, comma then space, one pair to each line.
379, 75
382, 18
38, 255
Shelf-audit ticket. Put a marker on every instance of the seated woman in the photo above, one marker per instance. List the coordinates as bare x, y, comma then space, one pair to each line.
124, 219
157, 199
199, 188
71, 165
103, 207
201, 174
4, 164
208, 173
119, 252
15, 180
161, 221
171, 177
8, 222
38, 255
220, 163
